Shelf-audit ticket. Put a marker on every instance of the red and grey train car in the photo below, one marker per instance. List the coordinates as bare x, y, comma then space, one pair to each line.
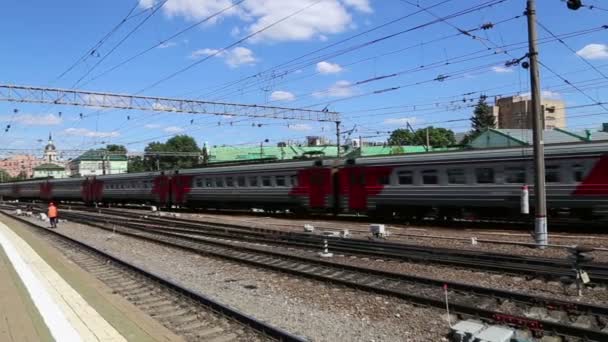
483, 182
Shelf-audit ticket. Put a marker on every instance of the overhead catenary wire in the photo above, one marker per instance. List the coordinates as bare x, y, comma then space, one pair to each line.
571, 49
97, 45
378, 40
341, 41
165, 40
222, 50
120, 42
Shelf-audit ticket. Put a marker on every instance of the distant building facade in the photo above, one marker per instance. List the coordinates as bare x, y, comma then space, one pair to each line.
97, 163
20, 164
24, 164
50, 170
494, 138
515, 112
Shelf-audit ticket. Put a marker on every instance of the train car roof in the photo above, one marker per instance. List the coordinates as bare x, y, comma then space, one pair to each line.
551, 151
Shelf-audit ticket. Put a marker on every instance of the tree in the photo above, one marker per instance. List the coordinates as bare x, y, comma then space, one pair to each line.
438, 137
483, 118
167, 155
136, 164
401, 136
116, 149
4, 176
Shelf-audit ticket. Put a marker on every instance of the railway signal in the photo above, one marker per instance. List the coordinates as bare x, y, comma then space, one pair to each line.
580, 255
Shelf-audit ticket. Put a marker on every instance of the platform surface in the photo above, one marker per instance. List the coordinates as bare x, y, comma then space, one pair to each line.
48, 298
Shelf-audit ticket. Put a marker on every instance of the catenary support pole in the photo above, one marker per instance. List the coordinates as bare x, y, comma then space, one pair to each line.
338, 139
540, 223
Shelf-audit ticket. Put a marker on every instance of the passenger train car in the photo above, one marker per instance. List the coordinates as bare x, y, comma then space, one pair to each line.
453, 184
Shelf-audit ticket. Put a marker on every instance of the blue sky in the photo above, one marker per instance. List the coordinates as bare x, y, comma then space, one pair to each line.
43, 39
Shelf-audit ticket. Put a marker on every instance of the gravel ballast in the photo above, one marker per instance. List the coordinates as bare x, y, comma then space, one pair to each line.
318, 311
458, 238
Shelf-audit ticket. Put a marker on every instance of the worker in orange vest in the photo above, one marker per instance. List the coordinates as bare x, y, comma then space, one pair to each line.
53, 213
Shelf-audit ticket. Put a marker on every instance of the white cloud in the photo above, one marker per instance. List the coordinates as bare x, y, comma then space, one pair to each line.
204, 52
34, 120
152, 126
594, 51
339, 89
546, 94
359, 5
501, 69
234, 58
240, 56
235, 32
83, 132
281, 95
173, 129
328, 68
401, 121
300, 127
323, 18
166, 45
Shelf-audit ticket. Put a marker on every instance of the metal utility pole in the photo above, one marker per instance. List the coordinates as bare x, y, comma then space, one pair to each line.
338, 138
540, 223
428, 140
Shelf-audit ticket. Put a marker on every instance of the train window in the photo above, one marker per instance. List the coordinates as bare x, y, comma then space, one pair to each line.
229, 181
122, 185
280, 180
578, 171
430, 177
219, 182
552, 174
294, 180
456, 176
253, 181
384, 179
266, 181
406, 177
484, 175
199, 182
515, 174
240, 181
208, 182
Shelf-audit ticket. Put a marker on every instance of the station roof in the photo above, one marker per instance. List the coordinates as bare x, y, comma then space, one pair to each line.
523, 137
49, 167
98, 155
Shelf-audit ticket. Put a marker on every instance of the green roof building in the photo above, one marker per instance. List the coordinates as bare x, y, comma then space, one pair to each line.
49, 170
98, 162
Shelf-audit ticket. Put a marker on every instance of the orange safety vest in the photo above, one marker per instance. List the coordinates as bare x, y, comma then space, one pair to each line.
52, 211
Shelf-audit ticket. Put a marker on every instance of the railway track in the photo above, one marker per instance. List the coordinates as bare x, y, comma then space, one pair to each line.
538, 315
188, 314
550, 268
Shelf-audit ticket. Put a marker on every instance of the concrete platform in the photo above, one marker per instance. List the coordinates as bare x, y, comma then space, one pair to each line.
46, 297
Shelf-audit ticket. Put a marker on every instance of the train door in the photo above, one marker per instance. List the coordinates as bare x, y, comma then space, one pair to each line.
161, 189
180, 187
46, 190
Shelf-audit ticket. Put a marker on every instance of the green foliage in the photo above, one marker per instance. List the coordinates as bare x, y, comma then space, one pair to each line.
136, 164
401, 136
4, 176
438, 137
116, 149
483, 119
168, 157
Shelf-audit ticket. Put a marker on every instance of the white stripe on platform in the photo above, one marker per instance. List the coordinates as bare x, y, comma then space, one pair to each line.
55, 320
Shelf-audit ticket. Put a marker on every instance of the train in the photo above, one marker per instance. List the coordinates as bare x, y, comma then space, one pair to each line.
482, 183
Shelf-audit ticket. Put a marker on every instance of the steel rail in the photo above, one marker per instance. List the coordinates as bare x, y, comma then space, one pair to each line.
247, 320
284, 262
